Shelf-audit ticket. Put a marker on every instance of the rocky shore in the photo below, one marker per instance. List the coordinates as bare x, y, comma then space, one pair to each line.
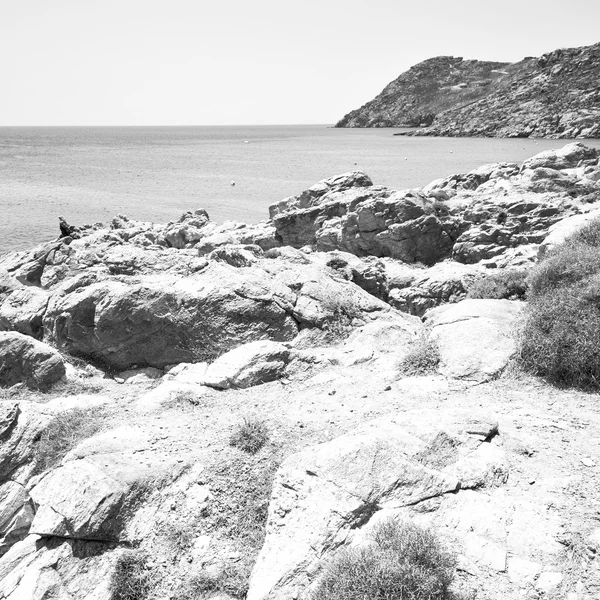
553, 96
131, 353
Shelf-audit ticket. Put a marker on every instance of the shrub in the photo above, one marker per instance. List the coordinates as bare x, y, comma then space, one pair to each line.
564, 266
423, 357
232, 580
250, 436
65, 432
131, 579
508, 283
401, 562
589, 234
560, 339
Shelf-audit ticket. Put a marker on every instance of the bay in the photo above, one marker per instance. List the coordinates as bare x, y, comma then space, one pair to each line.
90, 174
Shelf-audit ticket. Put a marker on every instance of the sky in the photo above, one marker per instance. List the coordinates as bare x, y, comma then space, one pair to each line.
251, 62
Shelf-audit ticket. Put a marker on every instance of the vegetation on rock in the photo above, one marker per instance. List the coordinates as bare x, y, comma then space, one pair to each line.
250, 436
400, 561
509, 284
422, 358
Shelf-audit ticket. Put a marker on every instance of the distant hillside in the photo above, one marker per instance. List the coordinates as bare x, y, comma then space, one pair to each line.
555, 96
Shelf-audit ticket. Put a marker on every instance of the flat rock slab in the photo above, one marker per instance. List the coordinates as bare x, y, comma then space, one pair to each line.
475, 337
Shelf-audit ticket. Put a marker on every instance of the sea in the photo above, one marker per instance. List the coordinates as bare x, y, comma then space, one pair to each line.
91, 174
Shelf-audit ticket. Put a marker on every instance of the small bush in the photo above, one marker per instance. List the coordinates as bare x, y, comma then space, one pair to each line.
560, 339
401, 562
232, 580
509, 284
564, 266
131, 579
65, 432
422, 358
589, 234
250, 436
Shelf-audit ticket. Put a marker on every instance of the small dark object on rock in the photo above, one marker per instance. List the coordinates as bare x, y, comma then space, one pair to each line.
387, 389
332, 393
67, 230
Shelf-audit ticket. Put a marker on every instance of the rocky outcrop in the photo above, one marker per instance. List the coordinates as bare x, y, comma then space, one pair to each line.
25, 360
495, 215
553, 96
325, 496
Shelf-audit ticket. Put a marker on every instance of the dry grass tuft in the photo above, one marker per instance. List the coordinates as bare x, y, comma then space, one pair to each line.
422, 358
65, 432
250, 436
131, 579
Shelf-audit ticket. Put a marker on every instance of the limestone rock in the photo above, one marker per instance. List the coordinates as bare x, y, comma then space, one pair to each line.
30, 361
251, 364
475, 337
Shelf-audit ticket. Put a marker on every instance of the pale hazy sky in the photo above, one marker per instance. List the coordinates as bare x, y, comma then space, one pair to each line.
193, 62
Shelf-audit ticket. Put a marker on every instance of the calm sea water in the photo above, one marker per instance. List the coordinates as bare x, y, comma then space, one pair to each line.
89, 174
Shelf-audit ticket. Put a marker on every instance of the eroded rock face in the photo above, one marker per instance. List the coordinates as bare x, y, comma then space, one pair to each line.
325, 493
476, 338
26, 360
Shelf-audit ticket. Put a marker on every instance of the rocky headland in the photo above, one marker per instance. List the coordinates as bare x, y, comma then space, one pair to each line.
553, 96
133, 354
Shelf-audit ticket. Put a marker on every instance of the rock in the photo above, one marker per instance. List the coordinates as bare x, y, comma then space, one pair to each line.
251, 364
237, 255
89, 498
16, 514
475, 337
169, 393
30, 361
523, 572
567, 157
56, 568
314, 195
22, 309
145, 375
21, 425
446, 282
324, 493
548, 581
188, 373
565, 228
164, 320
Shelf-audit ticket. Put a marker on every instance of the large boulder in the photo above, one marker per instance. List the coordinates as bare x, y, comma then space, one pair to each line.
24, 359
251, 364
476, 338
167, 320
